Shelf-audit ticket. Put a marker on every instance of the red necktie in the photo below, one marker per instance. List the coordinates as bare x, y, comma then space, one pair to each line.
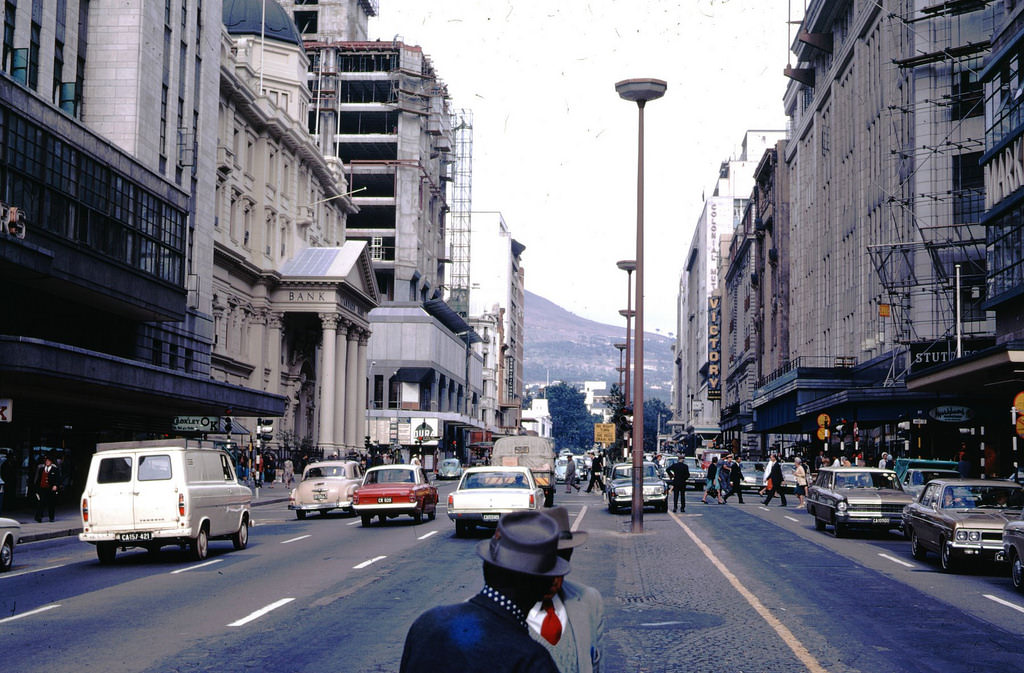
550, 628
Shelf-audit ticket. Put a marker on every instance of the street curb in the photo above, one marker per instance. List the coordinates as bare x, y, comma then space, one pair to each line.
69, 532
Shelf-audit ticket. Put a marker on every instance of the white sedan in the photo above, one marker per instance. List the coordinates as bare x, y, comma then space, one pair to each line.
485, 493
325, 486
10, 530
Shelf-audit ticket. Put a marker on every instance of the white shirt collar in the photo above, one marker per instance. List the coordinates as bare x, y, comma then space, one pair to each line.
536, 616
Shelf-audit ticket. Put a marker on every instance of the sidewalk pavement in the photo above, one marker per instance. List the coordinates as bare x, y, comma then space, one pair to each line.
68, 520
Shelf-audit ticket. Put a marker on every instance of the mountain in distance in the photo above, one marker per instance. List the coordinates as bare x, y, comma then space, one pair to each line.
562, 346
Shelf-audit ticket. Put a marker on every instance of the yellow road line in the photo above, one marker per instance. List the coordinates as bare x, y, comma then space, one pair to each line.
787, 636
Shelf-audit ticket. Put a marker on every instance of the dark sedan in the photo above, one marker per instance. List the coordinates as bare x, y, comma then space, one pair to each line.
620, 488
962, 519
856, 497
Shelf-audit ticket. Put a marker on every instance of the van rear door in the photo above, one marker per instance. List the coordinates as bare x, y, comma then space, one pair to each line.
156, 500
111, 497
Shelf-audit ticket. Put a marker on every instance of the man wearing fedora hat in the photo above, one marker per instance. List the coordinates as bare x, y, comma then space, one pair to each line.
489, 630
569, 620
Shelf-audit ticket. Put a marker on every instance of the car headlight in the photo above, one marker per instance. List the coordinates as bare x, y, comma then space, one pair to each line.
968, 535
842, 505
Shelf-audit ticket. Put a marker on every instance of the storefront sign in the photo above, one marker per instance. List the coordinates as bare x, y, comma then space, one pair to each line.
952, 413
6, 410
196, 423
714, 348
929, 354
1004, 173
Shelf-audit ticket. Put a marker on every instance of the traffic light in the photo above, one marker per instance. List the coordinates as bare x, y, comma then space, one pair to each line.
227, 421
265, 428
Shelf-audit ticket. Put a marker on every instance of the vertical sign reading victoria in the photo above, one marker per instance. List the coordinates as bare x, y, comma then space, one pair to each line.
714, 347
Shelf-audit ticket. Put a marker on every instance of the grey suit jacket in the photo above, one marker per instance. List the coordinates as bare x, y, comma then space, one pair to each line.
585, 610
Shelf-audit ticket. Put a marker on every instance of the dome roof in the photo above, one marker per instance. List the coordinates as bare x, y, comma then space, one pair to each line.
242, 17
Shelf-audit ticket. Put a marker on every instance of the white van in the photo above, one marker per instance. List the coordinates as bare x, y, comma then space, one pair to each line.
155, 493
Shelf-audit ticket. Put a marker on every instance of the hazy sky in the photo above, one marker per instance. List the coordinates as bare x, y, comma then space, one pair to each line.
554, 147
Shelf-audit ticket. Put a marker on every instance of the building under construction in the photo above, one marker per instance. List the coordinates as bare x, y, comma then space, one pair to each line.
887, 258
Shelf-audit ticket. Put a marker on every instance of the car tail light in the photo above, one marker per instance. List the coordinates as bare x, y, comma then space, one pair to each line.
85, 510
451, 500
533, 500
181, 504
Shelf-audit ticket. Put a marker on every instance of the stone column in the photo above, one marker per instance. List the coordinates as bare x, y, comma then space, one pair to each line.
340, 381
364, 338
351, 385
329, 321
273, 352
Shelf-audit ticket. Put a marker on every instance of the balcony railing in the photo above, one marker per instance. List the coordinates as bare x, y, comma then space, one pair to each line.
809, 361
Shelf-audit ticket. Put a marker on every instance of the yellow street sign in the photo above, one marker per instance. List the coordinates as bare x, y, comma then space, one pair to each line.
823, 421
822, 434
604, 433
1018, 402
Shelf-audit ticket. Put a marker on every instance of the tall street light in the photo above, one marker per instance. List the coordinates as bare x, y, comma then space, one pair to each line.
629, 266
639, 91
620, 369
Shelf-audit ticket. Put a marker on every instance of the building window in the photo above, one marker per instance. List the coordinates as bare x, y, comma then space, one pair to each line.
967, 90
968, 188
33, 57
10, 15
306, 21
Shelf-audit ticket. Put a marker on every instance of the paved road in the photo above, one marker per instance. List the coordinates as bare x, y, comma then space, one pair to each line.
725, 588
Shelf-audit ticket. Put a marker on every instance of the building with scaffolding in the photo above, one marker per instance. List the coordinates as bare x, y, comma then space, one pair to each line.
998, 370
886, 196
380, 110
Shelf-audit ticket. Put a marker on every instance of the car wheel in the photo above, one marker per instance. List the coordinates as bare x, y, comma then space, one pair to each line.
461, 529
917, 550
7, 555
1016, 571
417, 516
366, 519
946, 559
432, 514
612, 507
106, 551
200, 546
819, 524
300, 514
240, 540
838, 529
382, 518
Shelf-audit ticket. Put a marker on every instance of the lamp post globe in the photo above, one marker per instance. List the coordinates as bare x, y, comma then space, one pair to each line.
639, 91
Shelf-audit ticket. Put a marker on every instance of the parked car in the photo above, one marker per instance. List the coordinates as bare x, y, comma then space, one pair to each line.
1013, 550
450, 468
485, 493
536, 453
962, 519
856, 497
162, 492
390, 491
788, 477
620, 488
698, 473
325, 486
903, 464
915, 478
10, 530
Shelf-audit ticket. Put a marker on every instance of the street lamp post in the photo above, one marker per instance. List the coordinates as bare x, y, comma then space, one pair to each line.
639, 91
629, 266
620, 369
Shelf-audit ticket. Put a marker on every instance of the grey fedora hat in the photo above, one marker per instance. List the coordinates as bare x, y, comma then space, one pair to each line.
567, 539
525, 542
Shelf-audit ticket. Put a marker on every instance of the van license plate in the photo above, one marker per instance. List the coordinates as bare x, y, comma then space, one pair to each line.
134, 537
384, 500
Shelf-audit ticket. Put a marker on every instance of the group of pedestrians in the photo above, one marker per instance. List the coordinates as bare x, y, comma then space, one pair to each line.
724, 479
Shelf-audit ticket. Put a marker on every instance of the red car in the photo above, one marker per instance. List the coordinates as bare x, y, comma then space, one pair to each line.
388, 491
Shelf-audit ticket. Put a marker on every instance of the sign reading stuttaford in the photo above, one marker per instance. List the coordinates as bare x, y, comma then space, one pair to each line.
196, 423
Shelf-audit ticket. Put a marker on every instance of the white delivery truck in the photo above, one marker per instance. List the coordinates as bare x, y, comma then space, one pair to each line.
163, 492
536, 453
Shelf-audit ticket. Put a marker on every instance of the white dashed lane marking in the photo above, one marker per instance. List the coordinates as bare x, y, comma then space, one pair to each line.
366, 563
262, 611
30, 612
424, 537
1008, 604
201, 565
896, 560
296, 539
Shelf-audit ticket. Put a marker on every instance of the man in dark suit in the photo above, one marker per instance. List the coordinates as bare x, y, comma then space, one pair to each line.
573, 613
47, 485
775, 479
489, 631
680, 472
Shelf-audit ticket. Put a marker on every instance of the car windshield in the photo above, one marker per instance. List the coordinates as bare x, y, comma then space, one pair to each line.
390, 476
920, 477
495, 479
450, 463
321, 471
982, 497
626, 472
561, 462
867, 480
